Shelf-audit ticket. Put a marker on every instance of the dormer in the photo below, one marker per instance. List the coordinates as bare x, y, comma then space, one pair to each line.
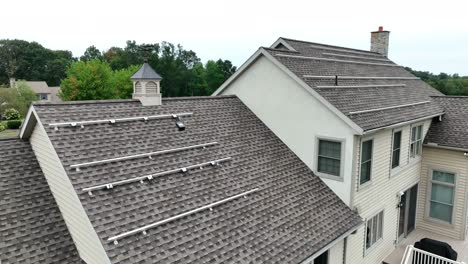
146, 85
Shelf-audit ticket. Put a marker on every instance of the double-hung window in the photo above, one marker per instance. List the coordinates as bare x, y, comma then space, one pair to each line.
396, 149
329, 157
416, 141
442, 196
374, 229
366, 161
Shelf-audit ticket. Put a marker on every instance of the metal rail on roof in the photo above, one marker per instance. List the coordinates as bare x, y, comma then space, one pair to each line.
111, 185
116, 120
142, 155
362, 86
175, 217
347, 51
353, 56
332, 77
337, 60
387, 108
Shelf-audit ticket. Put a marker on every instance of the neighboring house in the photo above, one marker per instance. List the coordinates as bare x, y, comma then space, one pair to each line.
358, 120
177, 180
42, 90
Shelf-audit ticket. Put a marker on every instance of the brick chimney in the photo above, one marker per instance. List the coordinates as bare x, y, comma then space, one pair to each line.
379, 41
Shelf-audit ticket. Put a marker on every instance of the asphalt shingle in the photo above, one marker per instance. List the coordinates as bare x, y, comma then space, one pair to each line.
292, 216
452, 131
32, 229
352, 63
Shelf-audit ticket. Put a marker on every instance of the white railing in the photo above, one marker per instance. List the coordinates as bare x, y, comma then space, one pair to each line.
417, 256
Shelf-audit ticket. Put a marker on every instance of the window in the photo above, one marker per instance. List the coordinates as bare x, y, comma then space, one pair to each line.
396, 149
416, 141
442, 196
322, 259
366, 161
374, 229
42, 96
329, 157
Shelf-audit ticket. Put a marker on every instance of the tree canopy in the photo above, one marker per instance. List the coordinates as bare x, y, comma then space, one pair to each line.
445, 83
104, 75
30, 61
18, 98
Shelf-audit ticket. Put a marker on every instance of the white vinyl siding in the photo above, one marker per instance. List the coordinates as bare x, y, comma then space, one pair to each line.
416, 141
329, 157
374, 230
382, 193
442, 193
84, 236
366, 161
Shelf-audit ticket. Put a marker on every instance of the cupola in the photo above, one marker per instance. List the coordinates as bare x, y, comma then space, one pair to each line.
146, 85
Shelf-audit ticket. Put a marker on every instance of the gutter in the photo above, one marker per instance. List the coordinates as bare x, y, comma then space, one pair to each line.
310, 259
401, 123
435, 145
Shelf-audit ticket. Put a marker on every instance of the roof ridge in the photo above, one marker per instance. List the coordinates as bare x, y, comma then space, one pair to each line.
332, 46
84, 102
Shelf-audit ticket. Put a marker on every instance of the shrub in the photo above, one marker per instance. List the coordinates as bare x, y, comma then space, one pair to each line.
12, 114
13, 124
2, 127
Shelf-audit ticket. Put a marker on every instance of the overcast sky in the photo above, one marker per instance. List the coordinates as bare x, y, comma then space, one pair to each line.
425, 35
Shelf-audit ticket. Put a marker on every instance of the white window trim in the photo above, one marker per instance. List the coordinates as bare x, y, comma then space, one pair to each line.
367, 251
342, 158
369, 182
416, 157
429, 193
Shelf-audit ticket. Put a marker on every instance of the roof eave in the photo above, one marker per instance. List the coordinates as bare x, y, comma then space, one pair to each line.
28, 124
402, 123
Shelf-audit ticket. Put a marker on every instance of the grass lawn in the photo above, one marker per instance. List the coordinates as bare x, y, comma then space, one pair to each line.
9, 133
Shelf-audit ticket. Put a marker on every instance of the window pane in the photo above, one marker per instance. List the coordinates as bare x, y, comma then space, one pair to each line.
368, 233
329, 166
379, 235
330, 149
374, 229
441, 211
365, 172
419, 132
395, 158
418, 147
397, 140
366, 151
413, 134
443, 194
443, 177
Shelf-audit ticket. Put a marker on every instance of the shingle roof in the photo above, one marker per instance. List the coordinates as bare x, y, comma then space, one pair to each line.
318, 64
32, 229
452, 131
145, 72
293, 215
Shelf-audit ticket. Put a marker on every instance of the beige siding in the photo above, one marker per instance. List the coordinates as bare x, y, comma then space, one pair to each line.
381, 193
81, 230
336, 253
295, 116
450, 161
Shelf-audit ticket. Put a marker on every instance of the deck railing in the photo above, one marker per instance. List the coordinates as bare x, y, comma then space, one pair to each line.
417, 256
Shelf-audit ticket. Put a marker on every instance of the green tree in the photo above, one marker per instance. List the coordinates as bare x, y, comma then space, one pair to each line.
91, 53
31, 61
214, 76
18, 98
87, 81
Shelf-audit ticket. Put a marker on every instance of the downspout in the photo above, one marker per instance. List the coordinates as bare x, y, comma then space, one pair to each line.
345, 245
